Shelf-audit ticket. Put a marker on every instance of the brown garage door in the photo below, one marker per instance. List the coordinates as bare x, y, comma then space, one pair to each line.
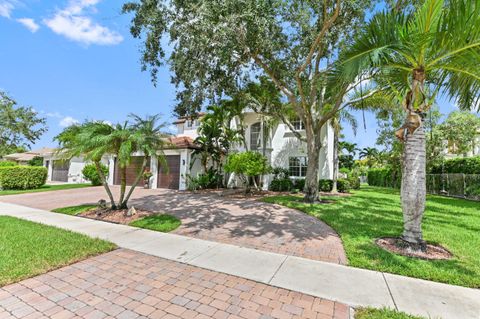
60, 171
170, 179
132, 170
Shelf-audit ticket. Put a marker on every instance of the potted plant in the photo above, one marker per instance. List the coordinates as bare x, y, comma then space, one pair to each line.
146, 178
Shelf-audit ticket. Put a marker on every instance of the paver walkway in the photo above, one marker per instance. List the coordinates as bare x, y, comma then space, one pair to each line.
352, 286
126, 284
244, 222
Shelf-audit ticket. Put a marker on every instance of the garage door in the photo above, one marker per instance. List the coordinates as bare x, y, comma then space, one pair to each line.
170, 179
132, 170
60, 171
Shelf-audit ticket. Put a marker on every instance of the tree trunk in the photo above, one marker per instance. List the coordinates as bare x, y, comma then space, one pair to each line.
311, 178
105, 184
335, 161
413, 190
137, 180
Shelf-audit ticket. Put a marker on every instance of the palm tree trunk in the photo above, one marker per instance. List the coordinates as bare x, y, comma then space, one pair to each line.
335, 161
413, 190
105, 184
137, 180
123, 185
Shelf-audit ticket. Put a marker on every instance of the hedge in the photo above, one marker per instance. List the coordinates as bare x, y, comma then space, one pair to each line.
384, 177
7, 164
461, 165
22, 177
90, 173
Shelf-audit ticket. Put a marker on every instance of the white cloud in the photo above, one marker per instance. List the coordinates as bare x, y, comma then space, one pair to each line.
74, 23
6, 8
67, 121
30, 24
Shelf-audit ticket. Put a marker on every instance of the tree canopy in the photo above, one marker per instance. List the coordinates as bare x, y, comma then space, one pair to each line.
20, 126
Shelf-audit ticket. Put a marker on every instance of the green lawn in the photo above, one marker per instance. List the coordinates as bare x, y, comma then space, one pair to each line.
74, 210
162, 223
28, 249
374, 212
44, 188
371, 313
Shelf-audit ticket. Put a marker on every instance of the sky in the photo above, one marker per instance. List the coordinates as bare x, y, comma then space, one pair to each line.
73, 60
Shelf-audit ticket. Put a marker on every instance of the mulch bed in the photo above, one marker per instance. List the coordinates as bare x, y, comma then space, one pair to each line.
115, 216
240, 193
399, 246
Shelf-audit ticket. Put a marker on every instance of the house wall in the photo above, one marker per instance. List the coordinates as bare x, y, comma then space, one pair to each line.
76, 166
183, 130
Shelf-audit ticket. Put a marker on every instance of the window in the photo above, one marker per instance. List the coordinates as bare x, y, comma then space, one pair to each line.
297, 166
298, 124
255, 133
190, 123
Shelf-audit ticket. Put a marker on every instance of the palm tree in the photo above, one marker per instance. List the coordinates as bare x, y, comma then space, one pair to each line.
336, 123
93, 140
149, 139
369, 153
87, 140
419, 53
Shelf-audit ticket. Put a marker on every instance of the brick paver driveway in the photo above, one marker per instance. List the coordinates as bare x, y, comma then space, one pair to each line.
127, 284
244, 222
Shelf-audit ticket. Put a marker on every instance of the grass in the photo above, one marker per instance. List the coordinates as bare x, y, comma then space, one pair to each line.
28, 249
44, 188
162, 223
74, 210
375, 212
371, 313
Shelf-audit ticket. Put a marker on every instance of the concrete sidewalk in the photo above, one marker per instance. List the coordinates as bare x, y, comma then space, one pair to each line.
353, 286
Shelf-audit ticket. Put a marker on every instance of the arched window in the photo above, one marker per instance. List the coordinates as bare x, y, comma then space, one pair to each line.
255, 136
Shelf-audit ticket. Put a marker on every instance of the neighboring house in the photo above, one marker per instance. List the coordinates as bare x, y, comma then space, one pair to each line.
450, 148
25, 157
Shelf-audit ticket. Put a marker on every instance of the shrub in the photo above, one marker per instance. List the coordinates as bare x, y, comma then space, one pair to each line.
7, 164
281, 185
343, 185
473, 190
299, 184
90, 173
384, 177
325, 185
208, 180
461, 165
36, 161
354, 181
247, 165
22, 177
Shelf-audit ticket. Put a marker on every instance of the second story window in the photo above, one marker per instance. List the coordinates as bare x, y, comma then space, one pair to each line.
255, 136
298, 124
191, 123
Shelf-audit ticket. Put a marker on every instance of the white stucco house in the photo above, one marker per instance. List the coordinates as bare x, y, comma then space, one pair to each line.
282, 149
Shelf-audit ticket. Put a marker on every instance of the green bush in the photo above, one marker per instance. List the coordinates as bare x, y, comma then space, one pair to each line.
384, 177
247, 165
461, 165
7, 164
473, 191
90, 174
299, 183
22, 177
281, 185
325, 185
343, 185
36, 161
354, 181
208, 180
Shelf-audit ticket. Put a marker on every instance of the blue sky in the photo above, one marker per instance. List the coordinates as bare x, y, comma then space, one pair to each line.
74, 60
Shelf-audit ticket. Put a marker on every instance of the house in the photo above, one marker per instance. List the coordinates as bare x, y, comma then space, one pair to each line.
451, 148
278, 144
25, 157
